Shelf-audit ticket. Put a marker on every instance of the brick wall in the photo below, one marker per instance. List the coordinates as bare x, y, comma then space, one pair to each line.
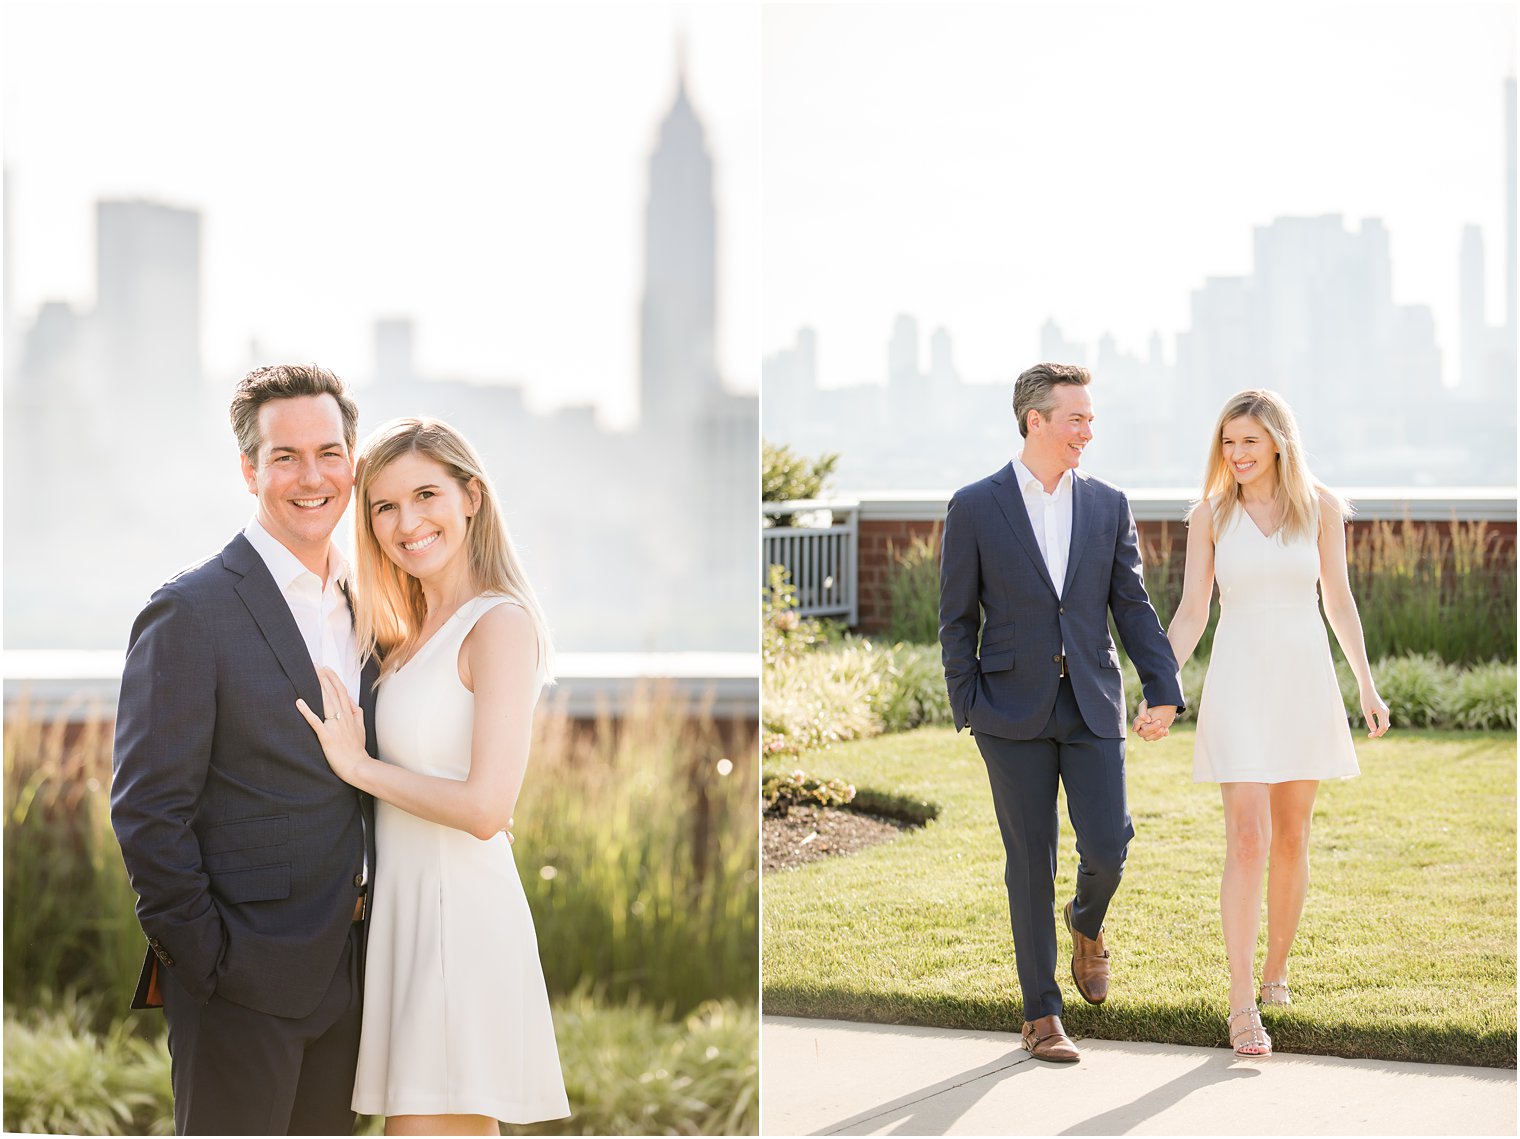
878, 539
879, 536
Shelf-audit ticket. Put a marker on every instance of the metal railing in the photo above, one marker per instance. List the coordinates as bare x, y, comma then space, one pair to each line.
821, 552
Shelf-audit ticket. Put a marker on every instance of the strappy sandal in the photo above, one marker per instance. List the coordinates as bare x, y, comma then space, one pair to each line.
1276, 994
1250, 1040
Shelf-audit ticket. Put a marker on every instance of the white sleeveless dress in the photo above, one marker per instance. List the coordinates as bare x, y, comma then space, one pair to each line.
456, 1016
1271, 709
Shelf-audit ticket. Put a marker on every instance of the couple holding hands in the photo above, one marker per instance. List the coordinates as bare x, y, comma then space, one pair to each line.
329, 933
1045, 553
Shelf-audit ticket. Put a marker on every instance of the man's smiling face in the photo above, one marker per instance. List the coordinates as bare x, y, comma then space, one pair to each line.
303, 474
1058, 442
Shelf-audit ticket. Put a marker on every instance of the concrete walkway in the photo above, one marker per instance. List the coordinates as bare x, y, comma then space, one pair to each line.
829, 1077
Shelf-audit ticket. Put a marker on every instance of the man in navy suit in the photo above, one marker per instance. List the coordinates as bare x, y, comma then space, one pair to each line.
1045, 553
250, 858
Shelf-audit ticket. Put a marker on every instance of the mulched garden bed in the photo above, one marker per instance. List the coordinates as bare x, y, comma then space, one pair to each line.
810, 833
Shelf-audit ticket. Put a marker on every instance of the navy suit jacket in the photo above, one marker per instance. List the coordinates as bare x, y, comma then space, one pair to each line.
245, 850
990, 564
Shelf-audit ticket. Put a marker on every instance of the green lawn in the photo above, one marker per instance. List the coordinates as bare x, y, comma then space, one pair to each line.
1406, 950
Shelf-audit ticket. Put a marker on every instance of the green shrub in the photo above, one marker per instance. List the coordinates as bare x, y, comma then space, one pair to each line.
1419, 589
630, 1070
1483, 697
893, 805
70, 917
637, 846
1422, 692
788, 477
1417, 689
819, 698
853, 689
785, 634
64, 1077
913, 688
1424, 591
913, 591
780, 793
1162, 565
869, 801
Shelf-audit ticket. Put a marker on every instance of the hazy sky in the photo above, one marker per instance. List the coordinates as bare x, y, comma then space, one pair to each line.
480, 167
986, 166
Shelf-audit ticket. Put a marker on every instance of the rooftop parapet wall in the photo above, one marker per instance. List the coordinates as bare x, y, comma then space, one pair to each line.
84, 685
889, 522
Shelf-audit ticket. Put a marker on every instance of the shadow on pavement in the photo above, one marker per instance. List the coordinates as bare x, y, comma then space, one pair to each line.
1117, 1121
930, 1110
950, 1098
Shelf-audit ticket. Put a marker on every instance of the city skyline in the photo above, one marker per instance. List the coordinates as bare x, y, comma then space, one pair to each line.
1054, 170
118, 381
1314, 319
533, 237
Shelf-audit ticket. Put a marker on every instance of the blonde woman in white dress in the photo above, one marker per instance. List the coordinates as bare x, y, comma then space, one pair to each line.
456, 1032
1271, 723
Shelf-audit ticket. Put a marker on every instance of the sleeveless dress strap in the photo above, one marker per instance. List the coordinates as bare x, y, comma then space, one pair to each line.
476, 608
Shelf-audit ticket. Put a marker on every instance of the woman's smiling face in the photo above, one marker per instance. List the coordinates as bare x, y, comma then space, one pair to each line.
420, 514
1248, 448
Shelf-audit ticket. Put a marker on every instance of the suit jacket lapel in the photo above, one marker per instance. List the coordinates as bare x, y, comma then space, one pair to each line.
367, 677
1081, 523
368, 674
369, 670
272, 614
1010, 499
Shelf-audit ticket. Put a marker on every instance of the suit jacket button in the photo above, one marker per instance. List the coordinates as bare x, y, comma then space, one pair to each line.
358, 879
1056, 659
163, 955
1062, 610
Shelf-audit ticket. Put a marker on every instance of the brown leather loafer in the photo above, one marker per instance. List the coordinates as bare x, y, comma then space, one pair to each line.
1089, 963
1045, 1039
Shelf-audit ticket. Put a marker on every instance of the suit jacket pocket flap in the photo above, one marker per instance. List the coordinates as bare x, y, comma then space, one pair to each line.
245, 834
1000, 661
999, 634
254, 884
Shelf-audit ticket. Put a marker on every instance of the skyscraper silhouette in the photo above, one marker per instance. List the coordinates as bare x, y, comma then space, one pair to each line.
147, 320
677, 364
1473, 311
697, 438
903, 370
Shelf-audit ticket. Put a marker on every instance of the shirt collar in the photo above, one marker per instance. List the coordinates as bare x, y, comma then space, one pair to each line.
1026, 476
283, 565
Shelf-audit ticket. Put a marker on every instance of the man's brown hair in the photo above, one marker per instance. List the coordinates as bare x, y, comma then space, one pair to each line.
286, 381
1034, 390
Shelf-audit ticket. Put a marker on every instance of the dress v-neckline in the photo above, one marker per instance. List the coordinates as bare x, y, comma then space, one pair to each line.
1255, 527
433, 636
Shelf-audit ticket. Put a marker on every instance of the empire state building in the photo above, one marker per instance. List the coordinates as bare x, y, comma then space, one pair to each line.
699, 439
677, 366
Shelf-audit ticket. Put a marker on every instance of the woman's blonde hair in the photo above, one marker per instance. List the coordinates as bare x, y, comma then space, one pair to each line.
390, 609
1299, 493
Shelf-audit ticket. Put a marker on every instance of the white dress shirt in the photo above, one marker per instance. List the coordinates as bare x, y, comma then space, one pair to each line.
321, 612
1050, 516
